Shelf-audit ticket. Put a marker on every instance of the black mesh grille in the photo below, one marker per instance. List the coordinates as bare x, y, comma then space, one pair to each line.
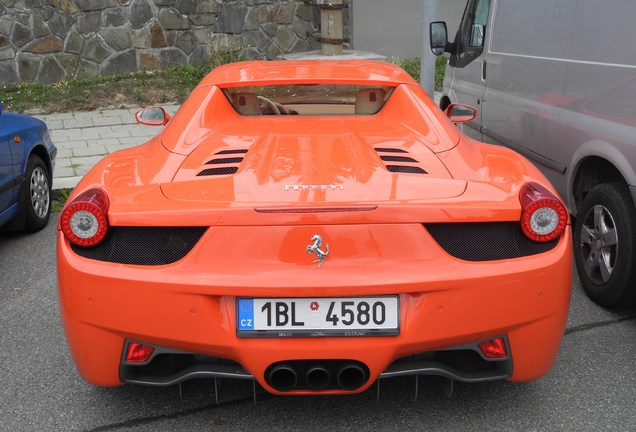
144, 245
224, 161
397, 159
218, 171
405, 169
389, 150
238, 151
485, 241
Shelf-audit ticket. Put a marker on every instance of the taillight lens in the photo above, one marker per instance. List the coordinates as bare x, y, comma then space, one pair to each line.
85, 220
138, 353
543, 215
494, 349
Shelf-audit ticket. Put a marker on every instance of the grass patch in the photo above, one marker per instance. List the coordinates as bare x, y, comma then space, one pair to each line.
58, 199
172, 84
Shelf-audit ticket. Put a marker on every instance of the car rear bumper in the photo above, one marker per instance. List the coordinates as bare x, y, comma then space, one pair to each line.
190, 307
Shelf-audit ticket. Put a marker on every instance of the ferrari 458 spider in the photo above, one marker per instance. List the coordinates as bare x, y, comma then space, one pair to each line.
27, 158
313, 226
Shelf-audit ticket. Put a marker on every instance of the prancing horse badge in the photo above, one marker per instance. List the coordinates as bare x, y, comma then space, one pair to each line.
315, 248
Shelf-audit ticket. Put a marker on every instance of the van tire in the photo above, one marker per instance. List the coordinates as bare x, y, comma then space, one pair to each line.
606, 263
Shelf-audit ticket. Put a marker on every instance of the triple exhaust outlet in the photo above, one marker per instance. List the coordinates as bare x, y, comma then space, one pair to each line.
317, 375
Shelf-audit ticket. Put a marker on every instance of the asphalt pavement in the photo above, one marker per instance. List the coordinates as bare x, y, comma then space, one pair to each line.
84, 138
592, 386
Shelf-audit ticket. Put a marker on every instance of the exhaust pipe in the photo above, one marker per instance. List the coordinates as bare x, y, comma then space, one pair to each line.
351, 376
282, 377
317, 377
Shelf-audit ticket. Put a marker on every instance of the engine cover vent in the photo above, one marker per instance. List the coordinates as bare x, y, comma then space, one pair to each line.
399, 163
228, 165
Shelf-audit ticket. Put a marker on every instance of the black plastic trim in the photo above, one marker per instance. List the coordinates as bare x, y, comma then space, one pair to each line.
389, 150
150, 246
237, 151
173, 366
391, 158
465, 363
405, 169
11, 184
228, 160
486, 241
218, 171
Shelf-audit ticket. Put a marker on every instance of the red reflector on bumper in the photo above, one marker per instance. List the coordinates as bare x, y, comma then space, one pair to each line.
138, 353
494, 349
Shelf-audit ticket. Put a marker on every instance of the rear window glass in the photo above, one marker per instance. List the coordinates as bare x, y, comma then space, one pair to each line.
308, 99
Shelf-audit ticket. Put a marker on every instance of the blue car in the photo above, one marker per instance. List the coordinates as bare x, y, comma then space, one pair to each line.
27, 159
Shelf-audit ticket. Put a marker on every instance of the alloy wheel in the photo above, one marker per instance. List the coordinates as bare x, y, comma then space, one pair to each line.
599, 244
39, 192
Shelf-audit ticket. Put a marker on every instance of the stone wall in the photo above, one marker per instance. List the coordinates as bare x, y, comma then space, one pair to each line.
52, 40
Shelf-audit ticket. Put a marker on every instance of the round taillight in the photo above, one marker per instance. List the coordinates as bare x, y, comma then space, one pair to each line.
543, 215
84, 221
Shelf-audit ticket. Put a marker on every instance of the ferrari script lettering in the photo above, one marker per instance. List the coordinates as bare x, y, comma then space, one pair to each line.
313, 187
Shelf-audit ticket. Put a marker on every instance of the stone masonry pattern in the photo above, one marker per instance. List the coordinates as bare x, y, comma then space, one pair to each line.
47, 41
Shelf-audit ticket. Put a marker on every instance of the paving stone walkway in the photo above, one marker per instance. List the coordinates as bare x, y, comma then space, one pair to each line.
84, 138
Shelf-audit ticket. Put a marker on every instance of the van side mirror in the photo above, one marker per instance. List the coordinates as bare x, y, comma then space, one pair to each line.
460, 113
438, 37
152, 116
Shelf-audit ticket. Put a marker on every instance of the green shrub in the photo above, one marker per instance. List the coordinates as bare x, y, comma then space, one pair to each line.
412, 67
440, 70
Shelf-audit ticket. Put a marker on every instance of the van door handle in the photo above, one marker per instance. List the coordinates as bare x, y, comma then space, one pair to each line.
483, 70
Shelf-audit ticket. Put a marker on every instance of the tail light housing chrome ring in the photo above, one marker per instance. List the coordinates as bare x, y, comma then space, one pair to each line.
84, 221
543, 215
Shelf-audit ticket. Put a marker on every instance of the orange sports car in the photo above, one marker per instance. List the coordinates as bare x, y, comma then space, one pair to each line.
314, 226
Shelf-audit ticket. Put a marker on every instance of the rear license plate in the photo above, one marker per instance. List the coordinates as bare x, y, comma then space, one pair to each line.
315, 317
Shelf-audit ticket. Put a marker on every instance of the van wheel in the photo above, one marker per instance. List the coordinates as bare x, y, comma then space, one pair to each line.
605, 245
37, 194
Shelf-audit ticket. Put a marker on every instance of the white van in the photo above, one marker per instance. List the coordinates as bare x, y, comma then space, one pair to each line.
556, 81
